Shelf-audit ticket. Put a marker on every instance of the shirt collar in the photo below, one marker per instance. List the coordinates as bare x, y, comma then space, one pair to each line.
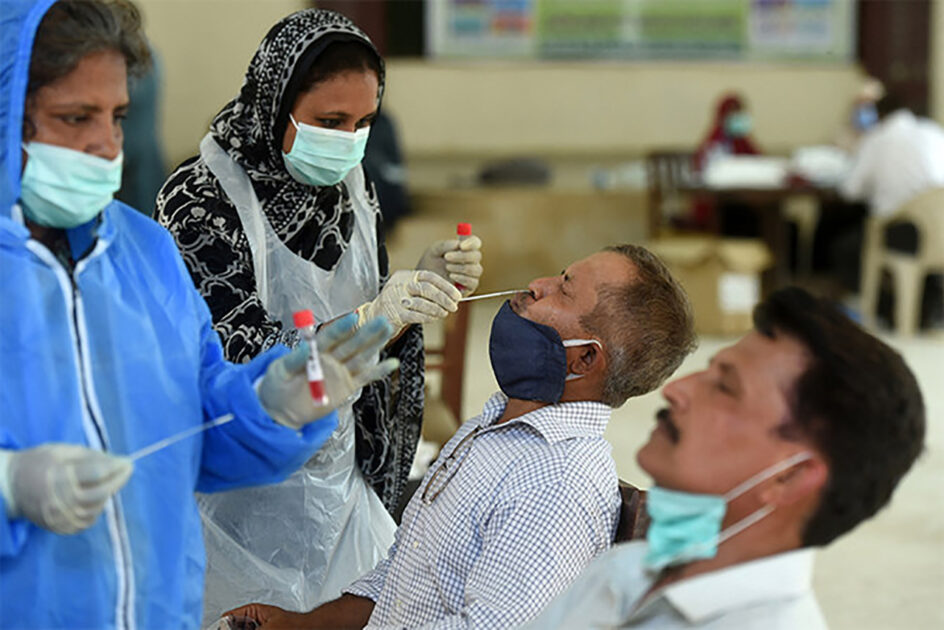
782, 576
555, 423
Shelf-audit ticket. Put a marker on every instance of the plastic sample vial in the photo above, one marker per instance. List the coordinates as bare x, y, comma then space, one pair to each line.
305, 323
463, 231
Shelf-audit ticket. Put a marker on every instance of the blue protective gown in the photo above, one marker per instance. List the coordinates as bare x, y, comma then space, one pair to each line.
115, 355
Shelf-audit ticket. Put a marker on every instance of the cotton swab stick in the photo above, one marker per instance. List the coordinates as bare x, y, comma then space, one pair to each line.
485, 296
156, 446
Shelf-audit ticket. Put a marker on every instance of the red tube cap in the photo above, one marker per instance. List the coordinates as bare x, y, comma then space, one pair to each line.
464, 229
303, 318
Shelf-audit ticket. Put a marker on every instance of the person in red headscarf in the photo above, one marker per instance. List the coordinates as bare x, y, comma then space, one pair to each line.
729, 135
730, 132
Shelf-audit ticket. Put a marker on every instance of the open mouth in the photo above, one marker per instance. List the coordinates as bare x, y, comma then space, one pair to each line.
664, 420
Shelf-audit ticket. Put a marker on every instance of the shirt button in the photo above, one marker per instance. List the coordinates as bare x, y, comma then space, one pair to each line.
416, 544
399, 604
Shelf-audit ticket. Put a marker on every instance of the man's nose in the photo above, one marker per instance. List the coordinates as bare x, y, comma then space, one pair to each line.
541, 287
675, 392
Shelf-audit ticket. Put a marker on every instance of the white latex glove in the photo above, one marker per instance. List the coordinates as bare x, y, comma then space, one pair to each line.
347, 354
60, 487
458, 261
412, 297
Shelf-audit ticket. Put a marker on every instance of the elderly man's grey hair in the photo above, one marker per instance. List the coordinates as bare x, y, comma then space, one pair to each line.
646, 325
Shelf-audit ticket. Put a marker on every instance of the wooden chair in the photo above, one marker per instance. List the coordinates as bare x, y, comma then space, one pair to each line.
666, 173
633, 518
450, 360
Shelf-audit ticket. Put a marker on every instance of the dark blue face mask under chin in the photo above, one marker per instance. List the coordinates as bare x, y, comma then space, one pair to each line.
529, 359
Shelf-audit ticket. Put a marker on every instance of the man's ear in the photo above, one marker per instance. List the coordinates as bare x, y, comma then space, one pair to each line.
800, 483
585, 359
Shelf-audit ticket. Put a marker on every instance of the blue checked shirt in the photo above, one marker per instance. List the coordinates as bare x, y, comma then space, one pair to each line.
531, 503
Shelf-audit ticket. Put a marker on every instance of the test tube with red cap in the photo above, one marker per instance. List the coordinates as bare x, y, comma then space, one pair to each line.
305, 323
463, 231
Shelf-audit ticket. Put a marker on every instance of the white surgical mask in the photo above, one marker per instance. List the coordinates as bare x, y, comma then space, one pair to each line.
323, 157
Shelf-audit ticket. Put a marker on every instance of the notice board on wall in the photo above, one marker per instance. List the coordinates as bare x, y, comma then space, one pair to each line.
731, 30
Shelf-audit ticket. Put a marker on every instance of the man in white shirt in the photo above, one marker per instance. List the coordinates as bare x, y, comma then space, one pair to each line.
525, 495
898, 159
790, 438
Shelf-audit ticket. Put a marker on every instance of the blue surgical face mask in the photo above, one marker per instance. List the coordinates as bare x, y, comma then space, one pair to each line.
63, 188
323, 157
685, 526
529, 359
737, 124
864, 117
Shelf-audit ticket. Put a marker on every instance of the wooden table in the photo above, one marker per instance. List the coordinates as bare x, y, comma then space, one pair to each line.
767, 202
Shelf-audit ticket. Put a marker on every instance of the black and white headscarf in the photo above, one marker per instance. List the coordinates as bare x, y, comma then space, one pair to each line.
316, 223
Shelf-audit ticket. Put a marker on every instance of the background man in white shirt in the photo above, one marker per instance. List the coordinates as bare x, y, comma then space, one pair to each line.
525, 495
788, 440
898, 159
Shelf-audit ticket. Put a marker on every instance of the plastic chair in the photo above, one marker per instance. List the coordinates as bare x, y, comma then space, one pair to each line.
666, 173
908, 271
803, 210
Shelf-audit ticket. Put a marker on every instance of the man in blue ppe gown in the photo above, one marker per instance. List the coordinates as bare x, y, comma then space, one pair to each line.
107, 348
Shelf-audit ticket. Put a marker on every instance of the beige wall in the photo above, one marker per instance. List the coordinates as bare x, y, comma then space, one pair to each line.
607, 107
204, 48
495, 108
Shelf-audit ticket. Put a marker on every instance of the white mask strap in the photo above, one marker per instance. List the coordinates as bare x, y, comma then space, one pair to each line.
578, 342
766, 474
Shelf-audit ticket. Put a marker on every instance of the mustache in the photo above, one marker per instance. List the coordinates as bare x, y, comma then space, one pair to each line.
664, 416
517, 300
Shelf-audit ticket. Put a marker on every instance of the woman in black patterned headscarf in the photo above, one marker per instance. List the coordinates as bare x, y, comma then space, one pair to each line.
275, 215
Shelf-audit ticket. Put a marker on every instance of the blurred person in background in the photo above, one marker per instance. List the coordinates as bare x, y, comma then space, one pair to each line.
730, 134
276, 214
108, 349
863, 114
144, 171
897, 159
384, 165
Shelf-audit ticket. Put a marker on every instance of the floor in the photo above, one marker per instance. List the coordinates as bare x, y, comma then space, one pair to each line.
889, 573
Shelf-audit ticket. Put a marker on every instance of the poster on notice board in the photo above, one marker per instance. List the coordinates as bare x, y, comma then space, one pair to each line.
749, 30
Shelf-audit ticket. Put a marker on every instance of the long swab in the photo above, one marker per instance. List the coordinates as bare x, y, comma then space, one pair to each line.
156, 446
485, 296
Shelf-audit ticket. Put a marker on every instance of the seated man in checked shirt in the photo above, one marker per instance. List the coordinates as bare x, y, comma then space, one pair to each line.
525, 495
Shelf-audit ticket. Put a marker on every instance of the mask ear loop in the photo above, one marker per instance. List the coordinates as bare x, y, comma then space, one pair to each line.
760, 477
578, 342
741, 488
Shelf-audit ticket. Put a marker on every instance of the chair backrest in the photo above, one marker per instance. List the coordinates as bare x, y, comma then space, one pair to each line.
450, 359
633, 518
926, 212
666, 172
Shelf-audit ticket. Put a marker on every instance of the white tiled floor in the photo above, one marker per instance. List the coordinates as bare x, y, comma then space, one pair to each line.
887, 574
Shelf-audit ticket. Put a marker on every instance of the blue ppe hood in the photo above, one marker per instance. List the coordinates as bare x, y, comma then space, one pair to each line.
19, 20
